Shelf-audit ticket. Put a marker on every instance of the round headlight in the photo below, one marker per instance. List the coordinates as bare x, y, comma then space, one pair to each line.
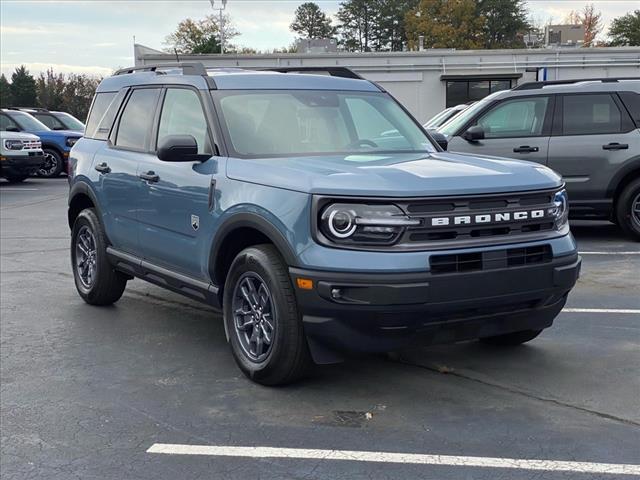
71, 141
341, 223
560, 209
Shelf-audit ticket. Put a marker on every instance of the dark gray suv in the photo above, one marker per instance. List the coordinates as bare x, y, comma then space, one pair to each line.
586, 130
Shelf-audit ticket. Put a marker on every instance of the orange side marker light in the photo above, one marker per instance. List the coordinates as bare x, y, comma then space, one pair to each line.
304, 283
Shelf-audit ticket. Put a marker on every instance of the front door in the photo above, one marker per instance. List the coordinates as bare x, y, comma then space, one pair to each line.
117, 163
176, 197
514, 128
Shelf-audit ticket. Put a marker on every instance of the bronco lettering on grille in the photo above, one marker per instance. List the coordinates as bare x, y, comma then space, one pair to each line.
487, 218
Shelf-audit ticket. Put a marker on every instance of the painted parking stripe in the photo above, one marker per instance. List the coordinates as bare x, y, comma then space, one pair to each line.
611, 253
389, 457
9, 189
602, 310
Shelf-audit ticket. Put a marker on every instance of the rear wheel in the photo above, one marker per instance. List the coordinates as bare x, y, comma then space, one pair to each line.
96, 280
512, 339
628, 209
52, 165
261, 318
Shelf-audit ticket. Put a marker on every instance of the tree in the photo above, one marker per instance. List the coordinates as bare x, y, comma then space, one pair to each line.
23, 88
504, 23
390, 33
358, 24
311, 22
50, 90
5, 92
78, 93
200, 36
445, 24
590, 19
625, 30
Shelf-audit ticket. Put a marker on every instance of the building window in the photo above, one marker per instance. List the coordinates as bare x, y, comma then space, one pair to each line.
466, 91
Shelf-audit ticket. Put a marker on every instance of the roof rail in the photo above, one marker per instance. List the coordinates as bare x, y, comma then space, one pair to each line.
343, 72
538, 85
34, 109
188, 68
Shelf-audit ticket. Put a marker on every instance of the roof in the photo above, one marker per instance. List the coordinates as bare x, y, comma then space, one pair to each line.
236, 79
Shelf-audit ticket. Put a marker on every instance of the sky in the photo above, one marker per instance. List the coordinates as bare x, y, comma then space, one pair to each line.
96, 37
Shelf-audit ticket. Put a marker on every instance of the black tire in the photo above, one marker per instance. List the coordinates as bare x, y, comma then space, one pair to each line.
53, 164
286, 358
16, 178
628, 209
106, 285
512, 339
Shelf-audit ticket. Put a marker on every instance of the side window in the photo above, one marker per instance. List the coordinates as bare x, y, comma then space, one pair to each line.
182, 115
590, 114
523, 117
136, 119
6, 122
100, 104
50, 121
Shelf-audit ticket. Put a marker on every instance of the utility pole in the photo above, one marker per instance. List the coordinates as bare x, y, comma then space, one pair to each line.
221, 26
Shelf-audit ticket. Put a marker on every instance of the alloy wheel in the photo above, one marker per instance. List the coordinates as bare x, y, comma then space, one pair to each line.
86, 256
254, 316
49, 166
635, 211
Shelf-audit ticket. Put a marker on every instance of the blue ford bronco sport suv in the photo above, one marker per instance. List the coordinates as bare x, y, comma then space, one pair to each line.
274, 196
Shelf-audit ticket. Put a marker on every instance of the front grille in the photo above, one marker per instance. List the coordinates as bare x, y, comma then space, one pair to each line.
489, 260
473, 219
31, 144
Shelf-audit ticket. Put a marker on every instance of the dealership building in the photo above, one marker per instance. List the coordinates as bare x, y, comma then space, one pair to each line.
427, 81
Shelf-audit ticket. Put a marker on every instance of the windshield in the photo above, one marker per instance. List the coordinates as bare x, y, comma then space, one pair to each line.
304, 122
70, 122
455, 123
27, 122
434, 121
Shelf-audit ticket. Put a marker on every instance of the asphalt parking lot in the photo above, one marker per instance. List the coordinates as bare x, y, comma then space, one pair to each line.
86, 391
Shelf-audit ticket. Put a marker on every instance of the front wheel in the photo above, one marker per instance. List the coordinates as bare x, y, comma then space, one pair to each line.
52, 165
512, 339
261, 318
96, 280
628, 209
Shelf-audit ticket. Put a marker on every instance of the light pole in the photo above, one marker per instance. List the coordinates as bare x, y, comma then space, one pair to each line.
224, 5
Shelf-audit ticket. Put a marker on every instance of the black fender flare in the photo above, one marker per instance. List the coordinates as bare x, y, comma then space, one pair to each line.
82, 188
256, 222
629, 167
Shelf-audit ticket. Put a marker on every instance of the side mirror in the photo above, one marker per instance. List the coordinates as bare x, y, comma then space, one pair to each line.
473, 134
440, 139
178, 148
11, 128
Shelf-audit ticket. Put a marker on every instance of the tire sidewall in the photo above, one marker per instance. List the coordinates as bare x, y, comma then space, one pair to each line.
254, 260
89, 219
624, 211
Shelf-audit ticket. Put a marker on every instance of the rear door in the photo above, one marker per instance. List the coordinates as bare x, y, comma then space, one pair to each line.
176, 199
117, 164
593, 137
516, 127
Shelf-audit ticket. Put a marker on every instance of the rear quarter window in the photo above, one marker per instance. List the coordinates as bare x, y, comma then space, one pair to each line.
631, 101
97, 117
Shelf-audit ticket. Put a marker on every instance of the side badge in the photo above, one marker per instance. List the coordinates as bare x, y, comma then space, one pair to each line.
195, 222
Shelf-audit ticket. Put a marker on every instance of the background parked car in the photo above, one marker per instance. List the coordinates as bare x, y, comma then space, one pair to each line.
444, 116
20, 155
55, 120
56, 144
586, 130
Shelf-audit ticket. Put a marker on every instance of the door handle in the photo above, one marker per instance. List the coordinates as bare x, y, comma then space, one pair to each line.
103, 167
150, 176
615, 146
525, 149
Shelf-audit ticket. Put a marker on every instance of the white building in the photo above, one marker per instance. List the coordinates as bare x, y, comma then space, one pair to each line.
427, 81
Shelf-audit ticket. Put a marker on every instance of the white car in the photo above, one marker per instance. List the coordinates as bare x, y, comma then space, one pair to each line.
20, 155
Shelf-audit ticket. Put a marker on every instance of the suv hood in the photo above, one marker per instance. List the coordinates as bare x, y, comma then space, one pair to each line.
397, 175
18, 136
58, 133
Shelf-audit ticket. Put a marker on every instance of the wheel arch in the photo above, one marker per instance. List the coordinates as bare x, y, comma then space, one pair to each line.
622, 178
238, 232
81, 196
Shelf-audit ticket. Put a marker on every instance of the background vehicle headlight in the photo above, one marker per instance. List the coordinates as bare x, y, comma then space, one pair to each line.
71, 141
13, 144
560, 209
352, 223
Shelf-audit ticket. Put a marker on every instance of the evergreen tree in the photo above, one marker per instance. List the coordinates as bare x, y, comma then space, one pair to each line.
359, 25
23, 88
311, 22
50, 90
6, 99
504, 23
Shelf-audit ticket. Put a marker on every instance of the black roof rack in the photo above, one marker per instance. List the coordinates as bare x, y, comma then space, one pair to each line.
342, 72
538, 85
188, 68
34, 109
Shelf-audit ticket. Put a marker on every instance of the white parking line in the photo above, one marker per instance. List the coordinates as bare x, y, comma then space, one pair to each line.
8, 189
610, 253
601, 310
388, 457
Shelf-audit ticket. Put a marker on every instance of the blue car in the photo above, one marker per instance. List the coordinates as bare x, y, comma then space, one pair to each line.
275, 197
56, 144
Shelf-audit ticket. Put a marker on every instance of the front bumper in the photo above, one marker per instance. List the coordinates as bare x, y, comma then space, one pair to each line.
381, 311
21, 164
